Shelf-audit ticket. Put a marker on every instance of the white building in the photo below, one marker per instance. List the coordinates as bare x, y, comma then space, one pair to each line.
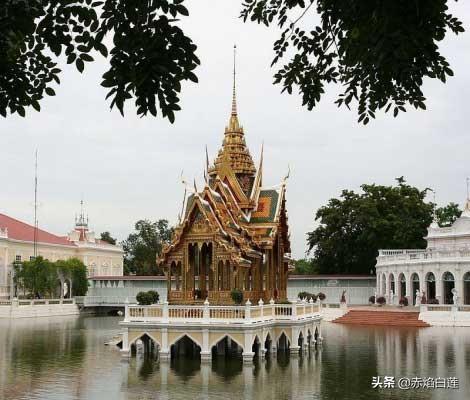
17, 242
436, 270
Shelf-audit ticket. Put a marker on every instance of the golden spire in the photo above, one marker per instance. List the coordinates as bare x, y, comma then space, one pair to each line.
234, 153
234, 125
234, 98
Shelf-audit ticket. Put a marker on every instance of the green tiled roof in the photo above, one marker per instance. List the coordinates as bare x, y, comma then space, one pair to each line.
270, 197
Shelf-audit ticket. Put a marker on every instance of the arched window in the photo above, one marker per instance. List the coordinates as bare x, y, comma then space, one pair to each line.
430, 286
448, 282
466, 288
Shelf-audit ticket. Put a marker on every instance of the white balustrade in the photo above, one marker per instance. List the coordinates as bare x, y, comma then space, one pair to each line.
418, 255
207, 314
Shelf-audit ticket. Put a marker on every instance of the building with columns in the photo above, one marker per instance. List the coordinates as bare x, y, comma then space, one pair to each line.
233, 234
435, 271
20, 241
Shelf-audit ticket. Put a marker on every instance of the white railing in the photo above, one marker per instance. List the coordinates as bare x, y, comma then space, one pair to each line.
35, 302
391, 256
207, 314
444, 307
90, 301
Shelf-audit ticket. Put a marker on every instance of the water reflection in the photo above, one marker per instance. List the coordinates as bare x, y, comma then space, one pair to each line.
65, 358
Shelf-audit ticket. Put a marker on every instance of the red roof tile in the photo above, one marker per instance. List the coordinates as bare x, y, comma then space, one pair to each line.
18, 230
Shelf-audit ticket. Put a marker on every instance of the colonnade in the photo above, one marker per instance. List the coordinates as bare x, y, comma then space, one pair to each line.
434, 283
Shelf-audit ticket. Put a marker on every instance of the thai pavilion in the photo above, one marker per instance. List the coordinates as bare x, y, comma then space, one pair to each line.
233, 234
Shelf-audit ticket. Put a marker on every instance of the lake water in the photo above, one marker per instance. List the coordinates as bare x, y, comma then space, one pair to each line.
65, 358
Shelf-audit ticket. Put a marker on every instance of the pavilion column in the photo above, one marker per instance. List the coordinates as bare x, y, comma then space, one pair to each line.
168, 279
409, 288
184, 268
458, 276
439, 287
268, 269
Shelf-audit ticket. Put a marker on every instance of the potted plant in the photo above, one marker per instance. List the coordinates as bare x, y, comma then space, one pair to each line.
237, 296
381, 301
372, 300
144, 298
403, 302
322, 296
155, 296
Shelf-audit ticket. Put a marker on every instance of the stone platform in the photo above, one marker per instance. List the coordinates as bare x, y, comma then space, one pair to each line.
254, 330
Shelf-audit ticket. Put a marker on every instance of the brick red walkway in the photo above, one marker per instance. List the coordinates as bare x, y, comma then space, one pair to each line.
383, 318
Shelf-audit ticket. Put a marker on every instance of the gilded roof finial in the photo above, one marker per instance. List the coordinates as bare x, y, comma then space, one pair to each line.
234, 99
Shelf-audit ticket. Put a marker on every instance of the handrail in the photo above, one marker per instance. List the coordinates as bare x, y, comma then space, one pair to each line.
386, 256
207, 314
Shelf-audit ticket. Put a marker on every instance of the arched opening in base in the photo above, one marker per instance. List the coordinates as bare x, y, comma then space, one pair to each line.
256, 347
227, 348
185, 348
283, 343
145, 346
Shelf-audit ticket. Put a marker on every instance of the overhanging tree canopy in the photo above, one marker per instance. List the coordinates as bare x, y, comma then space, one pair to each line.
380, 51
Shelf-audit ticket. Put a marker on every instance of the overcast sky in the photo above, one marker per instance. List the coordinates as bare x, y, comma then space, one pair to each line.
129, 168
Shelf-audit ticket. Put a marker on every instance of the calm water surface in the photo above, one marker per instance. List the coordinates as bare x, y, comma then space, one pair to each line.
65, 358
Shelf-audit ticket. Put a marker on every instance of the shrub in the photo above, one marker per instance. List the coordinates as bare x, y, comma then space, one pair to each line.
403, 301
237, 296
303, 295
144, 298
433, 301
321, 296
381, 300
155, 296
372, 299
307, 296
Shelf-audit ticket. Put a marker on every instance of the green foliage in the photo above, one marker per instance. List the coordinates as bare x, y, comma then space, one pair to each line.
75, 270
321, 296
40, 277
447, 215
106, 237
307, 295
379, 51
237, 296
372, 299
155, 296
305, 266
149, 56
142, 247
354, 227
144, 298
147, 298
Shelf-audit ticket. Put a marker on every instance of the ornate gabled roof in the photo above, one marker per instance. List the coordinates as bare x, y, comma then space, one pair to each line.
243, 216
